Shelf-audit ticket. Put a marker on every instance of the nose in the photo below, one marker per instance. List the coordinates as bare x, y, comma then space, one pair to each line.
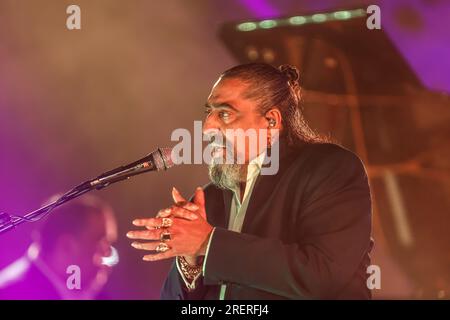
211, 124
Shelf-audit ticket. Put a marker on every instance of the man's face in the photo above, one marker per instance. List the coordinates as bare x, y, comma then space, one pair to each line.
92, 245
227, 110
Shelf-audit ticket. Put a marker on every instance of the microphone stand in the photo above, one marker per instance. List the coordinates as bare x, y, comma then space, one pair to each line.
8, 222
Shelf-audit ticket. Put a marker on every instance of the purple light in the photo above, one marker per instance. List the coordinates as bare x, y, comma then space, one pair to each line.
261, 8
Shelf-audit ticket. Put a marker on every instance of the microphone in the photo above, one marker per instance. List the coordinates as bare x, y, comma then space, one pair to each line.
160, 159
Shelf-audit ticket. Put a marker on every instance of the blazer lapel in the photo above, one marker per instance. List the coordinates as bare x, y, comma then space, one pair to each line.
264, 186
261, 191
227, 197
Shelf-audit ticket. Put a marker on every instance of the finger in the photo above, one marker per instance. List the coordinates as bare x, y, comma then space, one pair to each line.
186, 211
159, 256
199, 197
189, 215
176, 196
149, 246
154, 234
149, 222
179, 212
188, 206
164, 213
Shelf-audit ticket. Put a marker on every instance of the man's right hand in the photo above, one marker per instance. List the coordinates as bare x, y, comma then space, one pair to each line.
184, 209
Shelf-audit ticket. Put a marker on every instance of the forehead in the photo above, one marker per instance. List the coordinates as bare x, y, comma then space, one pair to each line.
228, 90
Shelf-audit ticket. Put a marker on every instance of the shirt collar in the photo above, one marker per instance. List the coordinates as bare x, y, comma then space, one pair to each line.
253, 170
254, 166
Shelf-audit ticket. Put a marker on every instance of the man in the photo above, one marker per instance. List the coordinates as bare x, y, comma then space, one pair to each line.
70, 257
302, 233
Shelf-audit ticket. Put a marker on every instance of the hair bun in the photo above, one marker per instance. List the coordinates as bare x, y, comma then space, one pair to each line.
290, 72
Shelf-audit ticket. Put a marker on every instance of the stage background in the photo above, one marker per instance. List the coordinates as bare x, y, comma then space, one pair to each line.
76, 103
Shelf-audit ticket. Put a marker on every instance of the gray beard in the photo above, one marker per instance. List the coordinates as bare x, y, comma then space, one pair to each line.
227, 176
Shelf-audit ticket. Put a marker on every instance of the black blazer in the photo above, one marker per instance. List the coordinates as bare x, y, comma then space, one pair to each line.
306, 233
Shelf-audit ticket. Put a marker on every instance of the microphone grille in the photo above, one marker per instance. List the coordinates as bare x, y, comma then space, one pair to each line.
163, 158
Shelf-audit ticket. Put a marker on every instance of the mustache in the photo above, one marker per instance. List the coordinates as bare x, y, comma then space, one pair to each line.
216, 145
218, 141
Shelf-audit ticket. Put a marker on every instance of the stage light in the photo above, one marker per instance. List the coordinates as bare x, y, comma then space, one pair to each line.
358, 13
247, 26
297, 20
319, 17
252, 53
267, 24
300, 20
342, 15
268, 55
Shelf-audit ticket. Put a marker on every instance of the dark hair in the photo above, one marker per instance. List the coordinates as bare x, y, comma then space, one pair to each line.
277, 87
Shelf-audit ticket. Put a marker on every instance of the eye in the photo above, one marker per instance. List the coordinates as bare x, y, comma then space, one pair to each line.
224, 115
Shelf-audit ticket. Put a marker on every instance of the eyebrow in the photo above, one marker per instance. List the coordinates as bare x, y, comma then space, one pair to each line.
221, 105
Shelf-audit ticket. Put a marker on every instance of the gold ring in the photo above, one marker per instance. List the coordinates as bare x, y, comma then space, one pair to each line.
166, 222
162, 247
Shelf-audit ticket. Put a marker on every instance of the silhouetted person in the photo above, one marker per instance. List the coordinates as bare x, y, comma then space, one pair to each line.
70, 255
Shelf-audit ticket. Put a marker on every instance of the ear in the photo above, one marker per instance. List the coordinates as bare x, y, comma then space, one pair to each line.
274, 118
